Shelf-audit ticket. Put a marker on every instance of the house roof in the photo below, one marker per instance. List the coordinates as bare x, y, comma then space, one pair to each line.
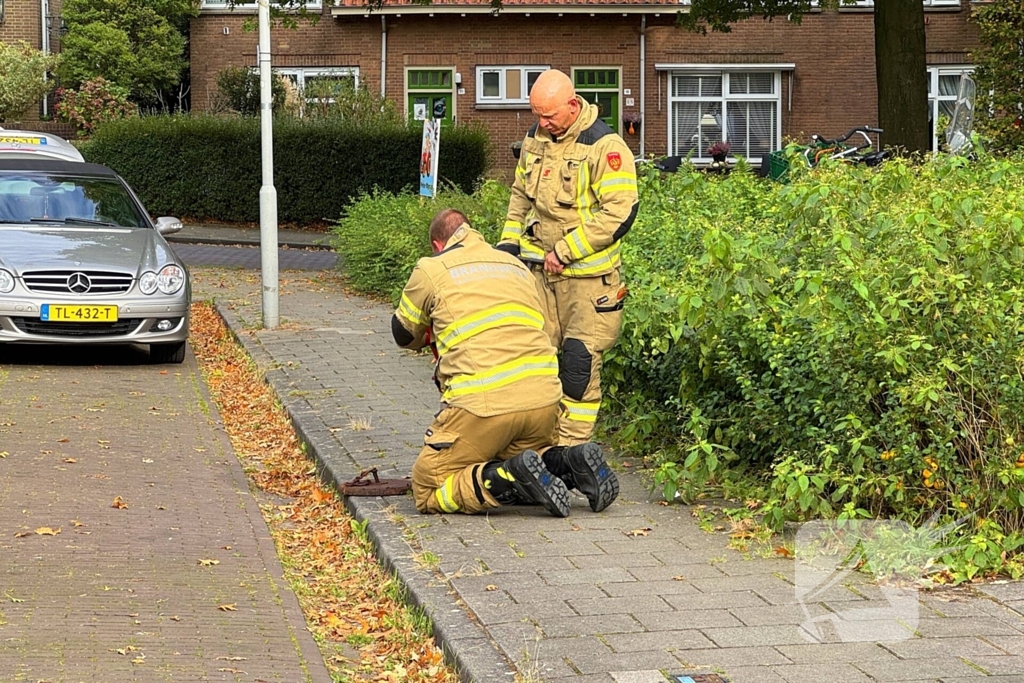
350, 7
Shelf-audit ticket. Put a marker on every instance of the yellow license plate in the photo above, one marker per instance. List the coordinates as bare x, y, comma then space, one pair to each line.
77, 314
22, 140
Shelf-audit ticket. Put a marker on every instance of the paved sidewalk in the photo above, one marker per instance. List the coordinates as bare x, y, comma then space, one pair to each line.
119, 593
629, 595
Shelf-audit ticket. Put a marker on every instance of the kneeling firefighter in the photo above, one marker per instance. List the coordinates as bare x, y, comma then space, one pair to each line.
491, 443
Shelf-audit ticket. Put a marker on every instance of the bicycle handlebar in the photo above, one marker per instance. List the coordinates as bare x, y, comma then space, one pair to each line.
863, 130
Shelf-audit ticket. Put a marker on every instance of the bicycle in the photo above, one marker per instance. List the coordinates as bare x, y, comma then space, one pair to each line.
777, 167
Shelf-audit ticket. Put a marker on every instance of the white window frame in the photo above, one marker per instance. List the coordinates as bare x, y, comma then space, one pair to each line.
225, 6
934, 72
502, 71
724, 99
301, 73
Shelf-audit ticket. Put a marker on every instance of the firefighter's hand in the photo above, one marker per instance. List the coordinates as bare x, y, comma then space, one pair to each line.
552, 264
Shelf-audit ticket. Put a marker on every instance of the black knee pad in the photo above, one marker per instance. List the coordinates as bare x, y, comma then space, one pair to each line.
574, 368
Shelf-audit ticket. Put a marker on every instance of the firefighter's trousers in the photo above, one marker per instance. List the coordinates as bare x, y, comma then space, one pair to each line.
448, 473
583, 317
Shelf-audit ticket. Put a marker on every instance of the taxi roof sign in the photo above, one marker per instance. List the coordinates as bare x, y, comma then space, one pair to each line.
26, 144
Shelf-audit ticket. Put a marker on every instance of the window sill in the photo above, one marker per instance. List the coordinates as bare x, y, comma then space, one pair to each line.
497, 106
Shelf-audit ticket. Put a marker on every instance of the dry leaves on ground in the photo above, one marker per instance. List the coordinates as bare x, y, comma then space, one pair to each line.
345, 594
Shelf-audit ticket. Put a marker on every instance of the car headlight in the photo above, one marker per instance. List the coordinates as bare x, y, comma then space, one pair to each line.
147, 283
6, 281
170, 279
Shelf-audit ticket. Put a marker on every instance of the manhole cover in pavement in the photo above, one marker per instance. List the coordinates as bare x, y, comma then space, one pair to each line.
699, 678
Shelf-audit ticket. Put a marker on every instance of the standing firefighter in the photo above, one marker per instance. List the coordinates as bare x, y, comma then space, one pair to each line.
498, 375
573, 199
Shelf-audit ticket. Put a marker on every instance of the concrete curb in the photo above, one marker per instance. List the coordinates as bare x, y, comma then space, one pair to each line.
466, 644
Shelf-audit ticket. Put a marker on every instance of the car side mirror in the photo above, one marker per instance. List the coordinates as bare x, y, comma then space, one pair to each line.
168, 225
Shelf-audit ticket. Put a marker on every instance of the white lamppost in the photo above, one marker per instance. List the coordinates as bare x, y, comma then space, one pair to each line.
268, 194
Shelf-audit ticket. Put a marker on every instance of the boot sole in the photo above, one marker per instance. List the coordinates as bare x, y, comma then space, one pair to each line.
538, 484
593, 477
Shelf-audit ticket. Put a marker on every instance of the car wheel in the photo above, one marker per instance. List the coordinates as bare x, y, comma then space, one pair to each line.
167, 353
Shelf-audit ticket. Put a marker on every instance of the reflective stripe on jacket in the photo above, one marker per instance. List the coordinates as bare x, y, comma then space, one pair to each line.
576, 196
483, 308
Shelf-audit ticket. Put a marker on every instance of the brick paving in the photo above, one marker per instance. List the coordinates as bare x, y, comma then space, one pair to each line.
579, 599
249, 257
120, 594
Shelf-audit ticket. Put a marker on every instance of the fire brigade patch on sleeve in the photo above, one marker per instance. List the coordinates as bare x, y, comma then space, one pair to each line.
614, 160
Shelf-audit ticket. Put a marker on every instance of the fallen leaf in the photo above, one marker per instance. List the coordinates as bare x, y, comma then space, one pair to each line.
101, 442
175, 618
232, 659
209, 563
119, 503
679, 577
71, 461
640, 532
12, 598
626, 464
230, 607
147, 460
319, 495
491, 587
76, 523
783, 551
22, 534
63, 440
225, 547
231, 671
163, 372
4, 454
47, 531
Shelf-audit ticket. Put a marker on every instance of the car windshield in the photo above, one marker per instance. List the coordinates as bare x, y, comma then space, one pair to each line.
35, 197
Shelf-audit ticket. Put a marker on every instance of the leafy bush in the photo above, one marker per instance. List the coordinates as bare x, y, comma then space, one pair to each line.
22, 78
238, 89
341, 98
1000, 63
848, 345
383, 234
97, 102
208, 168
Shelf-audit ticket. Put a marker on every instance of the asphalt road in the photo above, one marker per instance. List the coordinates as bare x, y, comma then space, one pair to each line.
131, 548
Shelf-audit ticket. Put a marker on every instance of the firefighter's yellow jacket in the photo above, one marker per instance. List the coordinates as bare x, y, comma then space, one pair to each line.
576, 196
483, 310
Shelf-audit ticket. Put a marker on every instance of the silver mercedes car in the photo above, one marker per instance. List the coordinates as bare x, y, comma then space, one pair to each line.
82, 263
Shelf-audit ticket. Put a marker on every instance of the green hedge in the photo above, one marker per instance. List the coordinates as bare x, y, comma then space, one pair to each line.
383, 234
208, 168
848, 345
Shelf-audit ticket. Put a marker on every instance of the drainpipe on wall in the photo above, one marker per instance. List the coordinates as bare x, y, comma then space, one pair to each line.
643, 81
383, 56
44, 11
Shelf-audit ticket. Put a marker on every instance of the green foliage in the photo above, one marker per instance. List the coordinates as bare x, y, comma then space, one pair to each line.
848, 345
383, 235
238, 88
97, 102
134, 44
1000, 61
206, 167
342, 99
22, 78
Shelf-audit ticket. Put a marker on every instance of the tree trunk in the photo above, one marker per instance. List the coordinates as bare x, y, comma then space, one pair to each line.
901, 73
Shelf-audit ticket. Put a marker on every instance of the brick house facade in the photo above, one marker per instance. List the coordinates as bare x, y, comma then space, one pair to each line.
761, 83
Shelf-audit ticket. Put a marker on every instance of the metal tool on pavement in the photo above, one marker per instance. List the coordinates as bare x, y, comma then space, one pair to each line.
363, 486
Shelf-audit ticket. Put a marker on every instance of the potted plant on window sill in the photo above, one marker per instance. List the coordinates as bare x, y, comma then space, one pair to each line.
718, 151
631, 121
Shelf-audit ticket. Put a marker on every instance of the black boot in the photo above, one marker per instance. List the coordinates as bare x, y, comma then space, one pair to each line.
583, 467
525, 479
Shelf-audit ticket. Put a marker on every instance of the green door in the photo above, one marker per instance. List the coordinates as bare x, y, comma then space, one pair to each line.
600, 87
430, 95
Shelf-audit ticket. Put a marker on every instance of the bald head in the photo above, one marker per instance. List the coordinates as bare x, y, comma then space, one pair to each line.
553, 101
